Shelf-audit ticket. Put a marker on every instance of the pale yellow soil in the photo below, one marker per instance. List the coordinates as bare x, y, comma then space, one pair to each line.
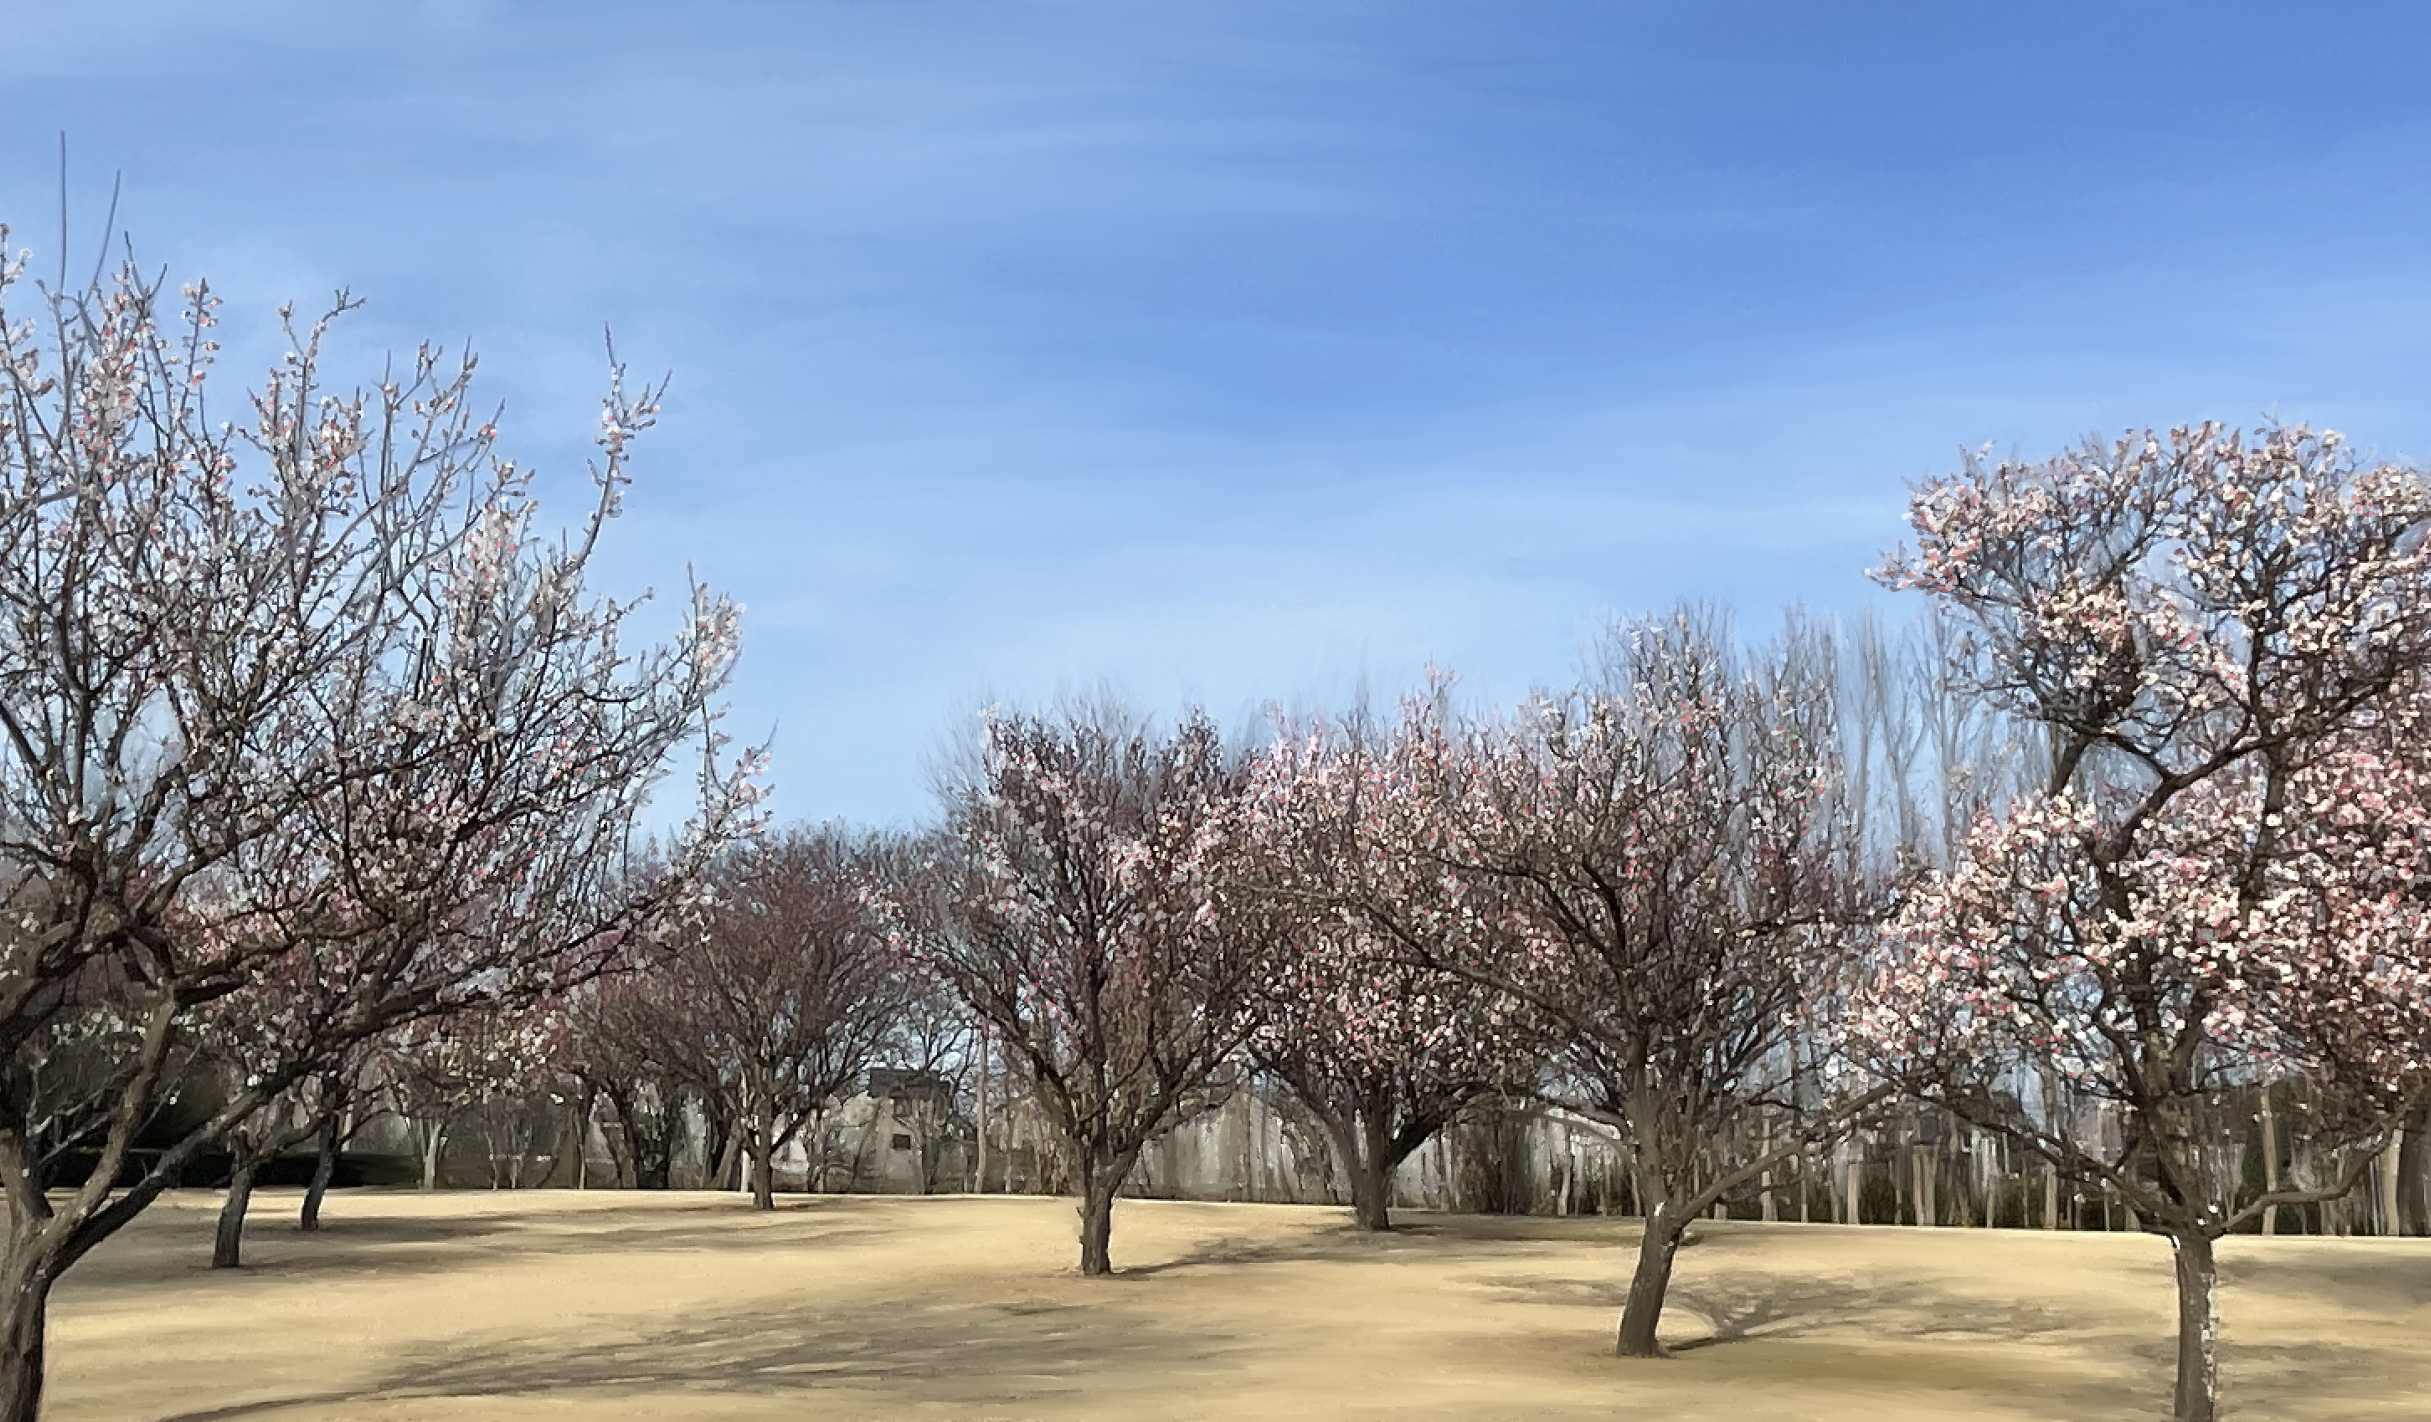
567, 1305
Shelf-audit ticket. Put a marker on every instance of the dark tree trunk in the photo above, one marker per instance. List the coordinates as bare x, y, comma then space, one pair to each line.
653, 1163
28, 1283
324, 1165
620, 1140
2198, 1329
1372, 1181
1101, 1179
228, 1245
1360, 1143
717, 1152
1656, 1249
2413, 1192
649, 1147
1096, 1228
763, 1166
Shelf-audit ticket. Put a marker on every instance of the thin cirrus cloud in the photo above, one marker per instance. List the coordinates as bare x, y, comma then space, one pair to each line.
1261, 351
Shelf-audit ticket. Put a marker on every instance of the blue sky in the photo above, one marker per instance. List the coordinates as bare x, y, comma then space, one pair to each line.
1239, 352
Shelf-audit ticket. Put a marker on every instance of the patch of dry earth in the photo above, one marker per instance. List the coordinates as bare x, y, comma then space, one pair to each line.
567, 1305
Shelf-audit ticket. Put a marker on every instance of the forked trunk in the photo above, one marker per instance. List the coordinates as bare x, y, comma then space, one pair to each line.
1644, 1310
620, 1141
227, 1247
324, 1166
2198, 1329
431, 1145
28, 1286
1100, 1180
721, 1144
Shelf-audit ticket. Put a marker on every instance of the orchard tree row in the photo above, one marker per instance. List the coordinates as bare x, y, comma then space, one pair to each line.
728, 1036
2146, 845
322, 773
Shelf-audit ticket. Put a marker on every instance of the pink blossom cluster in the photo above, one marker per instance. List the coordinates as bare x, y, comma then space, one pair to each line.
2226, 640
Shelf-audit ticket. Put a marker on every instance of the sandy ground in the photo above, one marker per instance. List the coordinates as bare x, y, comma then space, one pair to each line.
567, 1305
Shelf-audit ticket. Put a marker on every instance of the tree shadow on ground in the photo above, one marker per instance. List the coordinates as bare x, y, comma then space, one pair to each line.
388, 1245
1736, 1310
997, 1352
2263, 1377
1002, 1354
1484, 1237
2382, 1280
1347, 1245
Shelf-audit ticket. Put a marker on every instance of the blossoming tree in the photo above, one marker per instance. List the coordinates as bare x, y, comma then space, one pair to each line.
628, 1045
1383, 1047
431, 1072
2222, 882
1652, 867
305, 686
1079, 914
793, 982
237, 1039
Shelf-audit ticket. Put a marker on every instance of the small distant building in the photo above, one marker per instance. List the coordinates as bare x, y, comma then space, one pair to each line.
910, 1088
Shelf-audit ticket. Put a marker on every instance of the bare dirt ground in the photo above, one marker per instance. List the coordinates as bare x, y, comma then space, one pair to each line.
567, 1305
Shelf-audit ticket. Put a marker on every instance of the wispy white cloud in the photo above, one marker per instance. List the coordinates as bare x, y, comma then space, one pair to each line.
1239, 351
